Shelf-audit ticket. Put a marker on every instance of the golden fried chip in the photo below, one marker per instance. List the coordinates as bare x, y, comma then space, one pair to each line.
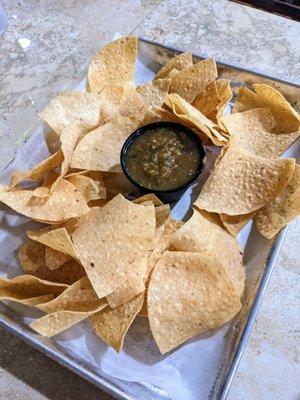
119, 101
153, 93
79, 297
65, 202
180, 62
39, 170
58, 239
133, 286
114, 64
264, 131
32, 260
281, 210
263, 96
29, 290
191, 81
104, 144
201, 234
172, 73
69, 107
116, 183
191, 117
225, 95
208, 99
235, 223
157, 114
110, 242
89, 188
54, 258
149, 197
112, 325
243, 182
188, 293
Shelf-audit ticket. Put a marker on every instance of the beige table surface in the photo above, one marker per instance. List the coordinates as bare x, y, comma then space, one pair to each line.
63, 35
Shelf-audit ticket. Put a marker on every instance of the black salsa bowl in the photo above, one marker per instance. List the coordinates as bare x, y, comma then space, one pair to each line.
172, 195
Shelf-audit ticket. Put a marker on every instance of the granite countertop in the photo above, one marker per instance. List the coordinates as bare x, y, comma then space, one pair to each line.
63, 35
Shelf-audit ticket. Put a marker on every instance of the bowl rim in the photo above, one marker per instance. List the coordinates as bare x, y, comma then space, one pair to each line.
143, 129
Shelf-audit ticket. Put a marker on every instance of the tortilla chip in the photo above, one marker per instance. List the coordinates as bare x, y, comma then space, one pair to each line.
79, 297
114, 64
32, 260
69, 107
52, 324
133, 286
39, 170
119, 101
225, 95
29, 290
88, 187
116, 183
162, 215
153, 93
281, 210
235, 223
264, 131
191, 117
201, 233
65, 202
191, 81
243, 182
263, 96
188, 293
157, 114
58, 239
180, 62
112, 325
104, 144
173, 72
208, 99
149, 196
110, 242
54, 258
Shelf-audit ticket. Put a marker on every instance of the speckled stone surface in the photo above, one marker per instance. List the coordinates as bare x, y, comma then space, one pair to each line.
64, 35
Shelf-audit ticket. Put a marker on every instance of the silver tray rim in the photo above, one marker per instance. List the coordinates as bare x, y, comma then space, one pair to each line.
25, 334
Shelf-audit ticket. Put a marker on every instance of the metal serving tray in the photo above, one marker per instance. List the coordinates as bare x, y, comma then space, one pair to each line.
152, 56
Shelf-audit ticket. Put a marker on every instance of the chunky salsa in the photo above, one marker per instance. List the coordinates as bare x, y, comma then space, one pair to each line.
163, 158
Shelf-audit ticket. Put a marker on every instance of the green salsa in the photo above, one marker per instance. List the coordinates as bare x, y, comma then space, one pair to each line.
163, 158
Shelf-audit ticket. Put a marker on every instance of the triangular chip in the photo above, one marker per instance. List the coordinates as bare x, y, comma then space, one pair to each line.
200, 234
281, 210
68, 107
58, 239
180, 62
153, 93
235, 223
104, 144
112, 325
114, 64
191, 117
112, 239
188, 293
28, 289
191, 81
266, 132
54, 258
243, 182
157, 114
119, 101
89, 188
65, 202
208, 99
149, 197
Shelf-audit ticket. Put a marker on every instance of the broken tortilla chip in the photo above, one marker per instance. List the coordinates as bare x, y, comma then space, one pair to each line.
110, 242
104, 145
266, 132
192, 80
243, 182
188, 293
153, 93
201, 234
69, 107
114, 64
179, 62
281, 210
191, 117
112, 325
65, 202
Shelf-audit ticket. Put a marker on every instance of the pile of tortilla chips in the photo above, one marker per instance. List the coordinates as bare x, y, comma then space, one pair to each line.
105, 258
